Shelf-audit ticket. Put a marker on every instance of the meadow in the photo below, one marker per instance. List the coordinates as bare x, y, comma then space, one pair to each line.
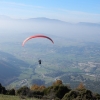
8, 97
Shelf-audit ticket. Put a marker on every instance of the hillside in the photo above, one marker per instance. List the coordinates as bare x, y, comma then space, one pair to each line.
10, 68
57, 91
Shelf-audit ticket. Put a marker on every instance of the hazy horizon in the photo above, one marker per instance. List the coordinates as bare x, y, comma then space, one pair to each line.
75, 19
69, 11
77, 31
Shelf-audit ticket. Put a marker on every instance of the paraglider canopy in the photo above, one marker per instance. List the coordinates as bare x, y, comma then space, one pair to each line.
36, 36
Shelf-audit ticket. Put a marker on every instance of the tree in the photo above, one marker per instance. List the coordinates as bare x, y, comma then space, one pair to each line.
58, 90
81, 87
23, 91
11, 92
35, 87
62, 90
0, 88
58, 82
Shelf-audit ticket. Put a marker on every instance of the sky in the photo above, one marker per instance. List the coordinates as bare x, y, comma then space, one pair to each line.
65, 10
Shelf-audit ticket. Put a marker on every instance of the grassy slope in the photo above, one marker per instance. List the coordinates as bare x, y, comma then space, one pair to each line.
7, 97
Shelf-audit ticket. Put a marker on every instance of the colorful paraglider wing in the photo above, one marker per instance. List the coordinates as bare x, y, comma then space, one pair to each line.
36, 36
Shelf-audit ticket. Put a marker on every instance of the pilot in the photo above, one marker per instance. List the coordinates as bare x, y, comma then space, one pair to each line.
39, 61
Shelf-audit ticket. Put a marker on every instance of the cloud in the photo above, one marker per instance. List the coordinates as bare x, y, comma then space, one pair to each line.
19, 4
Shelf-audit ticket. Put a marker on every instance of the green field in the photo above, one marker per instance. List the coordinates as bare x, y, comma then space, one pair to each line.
7, 97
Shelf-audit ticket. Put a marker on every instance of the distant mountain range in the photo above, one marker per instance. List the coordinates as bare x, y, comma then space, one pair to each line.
82, 31
3, 17
44, 19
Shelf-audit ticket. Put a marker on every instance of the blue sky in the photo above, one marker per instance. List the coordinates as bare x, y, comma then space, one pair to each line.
65, 10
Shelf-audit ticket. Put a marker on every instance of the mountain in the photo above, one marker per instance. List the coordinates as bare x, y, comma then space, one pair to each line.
48, 20
9, 68
82, 31
3, 17
89, 24
44, 19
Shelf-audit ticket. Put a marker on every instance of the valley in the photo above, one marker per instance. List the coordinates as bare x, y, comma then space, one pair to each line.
69, 62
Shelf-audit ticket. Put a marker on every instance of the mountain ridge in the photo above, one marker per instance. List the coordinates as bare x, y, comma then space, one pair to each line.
3, 17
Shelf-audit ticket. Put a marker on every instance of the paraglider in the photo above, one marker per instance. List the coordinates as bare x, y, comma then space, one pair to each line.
39, 61
36, 36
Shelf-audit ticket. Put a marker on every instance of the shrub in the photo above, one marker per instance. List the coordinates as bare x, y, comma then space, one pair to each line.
11, 92
61, 91
23, 91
